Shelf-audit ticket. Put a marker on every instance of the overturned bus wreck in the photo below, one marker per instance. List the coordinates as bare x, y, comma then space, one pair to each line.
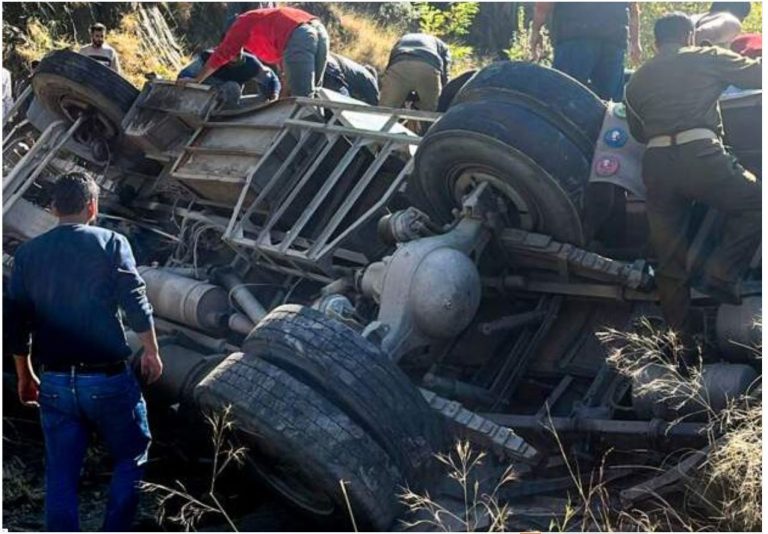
361, 295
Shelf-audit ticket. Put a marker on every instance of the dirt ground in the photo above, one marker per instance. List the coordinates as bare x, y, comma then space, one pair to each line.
252, 507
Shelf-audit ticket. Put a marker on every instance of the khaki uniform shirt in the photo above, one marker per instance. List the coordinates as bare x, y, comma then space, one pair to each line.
679, 89
104, 54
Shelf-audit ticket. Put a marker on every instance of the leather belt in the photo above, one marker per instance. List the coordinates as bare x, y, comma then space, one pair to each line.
680, 138
110, 368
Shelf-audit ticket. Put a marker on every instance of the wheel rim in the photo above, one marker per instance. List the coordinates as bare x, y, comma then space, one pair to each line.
520, 213
96, 126
290, 482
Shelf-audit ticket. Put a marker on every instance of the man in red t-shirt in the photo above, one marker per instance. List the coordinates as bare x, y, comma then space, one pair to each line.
285, 36
748, 44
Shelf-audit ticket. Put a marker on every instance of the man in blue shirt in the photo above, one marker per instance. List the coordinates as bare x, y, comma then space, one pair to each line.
65, 290
243, 69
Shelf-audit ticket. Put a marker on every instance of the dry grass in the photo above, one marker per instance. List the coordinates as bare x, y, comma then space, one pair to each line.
19, 482
361, 39
192, 509
481, 511
733, 472
137, 57
722, 490
650, 359
725, 492
39, 41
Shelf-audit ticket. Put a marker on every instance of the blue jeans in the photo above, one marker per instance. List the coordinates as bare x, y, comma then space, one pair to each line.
597, 64
71, 406
304, 58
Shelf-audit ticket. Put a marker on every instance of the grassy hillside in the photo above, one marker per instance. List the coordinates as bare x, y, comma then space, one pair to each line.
363, 31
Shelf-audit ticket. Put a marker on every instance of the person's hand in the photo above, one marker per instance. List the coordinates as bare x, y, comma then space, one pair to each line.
29, 390
635, 53
151, 366
534, 46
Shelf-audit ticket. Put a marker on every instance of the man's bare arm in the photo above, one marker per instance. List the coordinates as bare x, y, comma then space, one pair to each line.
28, 383
151, 364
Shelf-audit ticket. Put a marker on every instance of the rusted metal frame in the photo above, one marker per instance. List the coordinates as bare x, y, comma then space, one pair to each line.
248, 126
669, 480
344, 130
276, 177
389, 124
607, 387
329, 183
252, 173
355, 194
210, 178
259, 257
371, 211
225, 151
349, 202
176, 164
190, 116
565, 426
532, 249
264, 236
601, 291
51, 150
347, 255
191, 85
511, 322
17, 104
317, 277
555, 396
267, 258
410, 114
566, 362
514, 368
480, 429
12, 134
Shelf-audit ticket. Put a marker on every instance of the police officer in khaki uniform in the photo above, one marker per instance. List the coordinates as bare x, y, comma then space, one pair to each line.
420, 63
672, 103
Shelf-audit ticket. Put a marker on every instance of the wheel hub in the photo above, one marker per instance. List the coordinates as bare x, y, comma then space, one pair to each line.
96, 129
518, 211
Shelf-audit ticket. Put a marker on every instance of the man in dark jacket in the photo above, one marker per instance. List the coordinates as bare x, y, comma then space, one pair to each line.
590, 41
420, 63
672, 104
64, 294
240, 70
352, 79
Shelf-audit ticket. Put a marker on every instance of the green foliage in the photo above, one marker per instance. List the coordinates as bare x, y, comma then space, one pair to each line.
451, 25
447, 24
519, 46
754, 22
651, 11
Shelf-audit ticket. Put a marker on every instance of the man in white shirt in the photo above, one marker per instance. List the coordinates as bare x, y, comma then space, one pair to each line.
99, 50
7, 92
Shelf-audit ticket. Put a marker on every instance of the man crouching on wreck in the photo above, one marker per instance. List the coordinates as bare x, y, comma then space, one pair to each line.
65, 290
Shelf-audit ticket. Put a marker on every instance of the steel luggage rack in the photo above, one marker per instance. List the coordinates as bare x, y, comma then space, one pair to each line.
311, 203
